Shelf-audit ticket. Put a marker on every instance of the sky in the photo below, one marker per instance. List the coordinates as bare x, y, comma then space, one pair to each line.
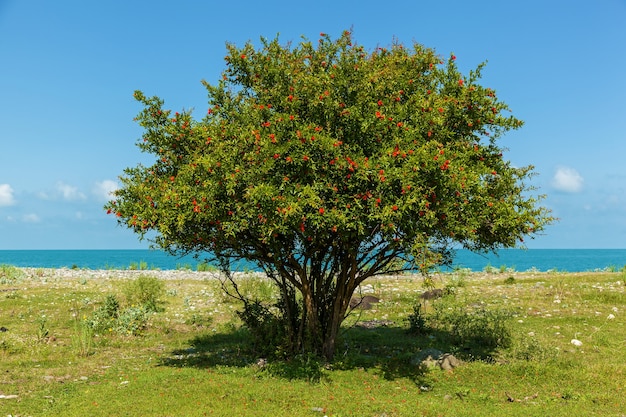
68, 69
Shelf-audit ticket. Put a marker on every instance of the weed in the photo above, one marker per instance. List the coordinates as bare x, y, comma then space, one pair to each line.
417, 322
145, 291
42, 328
104, 317
132, 321
530, 349
82, 338
206, 267
476, 331
302, 367
10, 274
199, 320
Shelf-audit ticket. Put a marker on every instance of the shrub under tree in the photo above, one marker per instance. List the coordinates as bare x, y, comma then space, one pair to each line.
325, 164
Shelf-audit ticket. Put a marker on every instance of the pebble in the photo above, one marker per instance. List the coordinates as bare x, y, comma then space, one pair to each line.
576, 342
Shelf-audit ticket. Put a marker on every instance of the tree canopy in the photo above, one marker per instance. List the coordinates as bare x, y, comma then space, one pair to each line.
325, 164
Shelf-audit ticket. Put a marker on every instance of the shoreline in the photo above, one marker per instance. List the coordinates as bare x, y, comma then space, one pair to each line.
185, 274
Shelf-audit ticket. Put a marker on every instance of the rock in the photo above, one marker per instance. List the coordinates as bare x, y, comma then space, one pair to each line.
364, 303
447, 362
433, 358
372, 324
432, 294
427, 357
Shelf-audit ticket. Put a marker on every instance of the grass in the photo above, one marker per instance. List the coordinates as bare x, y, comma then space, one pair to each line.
192, 357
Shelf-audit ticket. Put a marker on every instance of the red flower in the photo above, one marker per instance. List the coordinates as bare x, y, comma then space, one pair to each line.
243, 56
394, 208
460, 82
321, 210
380, 102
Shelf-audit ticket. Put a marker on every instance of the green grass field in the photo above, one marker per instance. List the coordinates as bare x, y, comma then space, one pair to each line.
531, 344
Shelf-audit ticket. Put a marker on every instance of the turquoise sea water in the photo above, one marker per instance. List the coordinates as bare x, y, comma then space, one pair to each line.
570, 260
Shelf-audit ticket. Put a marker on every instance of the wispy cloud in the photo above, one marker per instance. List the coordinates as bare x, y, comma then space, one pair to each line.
69, 192
31, 218
567, 180
104, 190
6, 195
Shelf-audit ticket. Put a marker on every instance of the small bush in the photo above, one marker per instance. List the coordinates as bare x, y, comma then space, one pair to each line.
303, 367
477, 332
10, 274
82, 338
530, 349
145, 291
417, 321
104, 317
132, 321
206, 267
266, 328
12, 345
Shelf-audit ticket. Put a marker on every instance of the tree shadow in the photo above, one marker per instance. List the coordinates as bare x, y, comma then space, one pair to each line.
385, 349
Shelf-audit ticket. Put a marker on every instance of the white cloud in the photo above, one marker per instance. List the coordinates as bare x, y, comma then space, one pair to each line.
567, 180
104, 190
70, 192
31, 218
6, 195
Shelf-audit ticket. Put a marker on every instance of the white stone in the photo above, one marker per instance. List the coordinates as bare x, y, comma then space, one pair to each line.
576, 342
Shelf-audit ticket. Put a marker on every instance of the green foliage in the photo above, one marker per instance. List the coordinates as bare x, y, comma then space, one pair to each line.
145, 291
325, 164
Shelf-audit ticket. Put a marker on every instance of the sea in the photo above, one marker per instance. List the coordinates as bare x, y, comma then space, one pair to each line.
519, 260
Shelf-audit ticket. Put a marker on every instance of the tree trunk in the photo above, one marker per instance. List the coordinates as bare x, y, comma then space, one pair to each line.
311, 315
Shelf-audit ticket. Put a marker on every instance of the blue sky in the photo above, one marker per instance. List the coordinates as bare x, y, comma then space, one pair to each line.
68, 70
